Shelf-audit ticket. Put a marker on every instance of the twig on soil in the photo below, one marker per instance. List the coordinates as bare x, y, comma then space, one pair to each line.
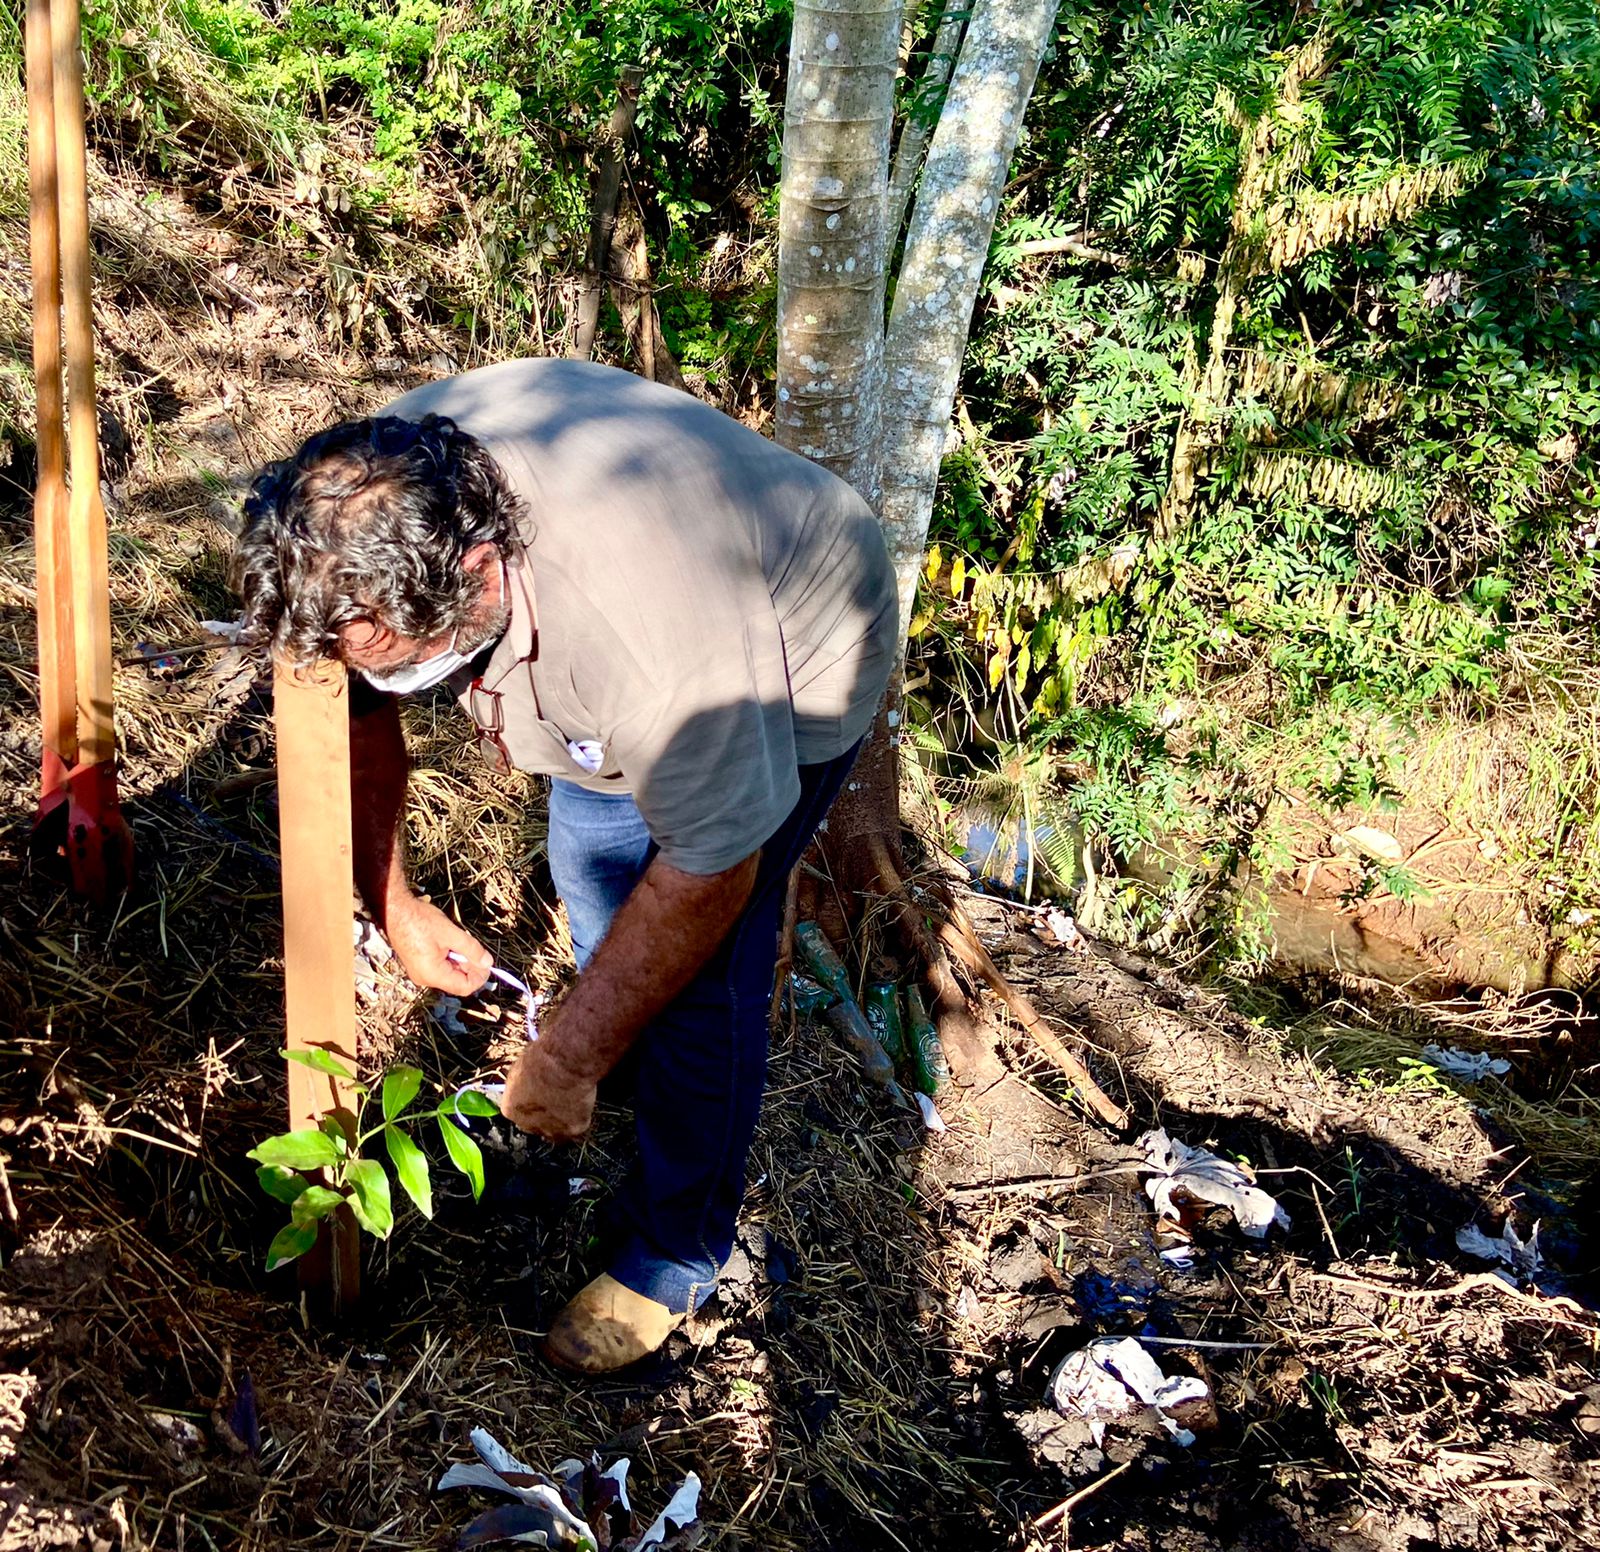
1067, 1505
791, 911
1195, 1341
1044, 1182
1454, 1290
8, 1203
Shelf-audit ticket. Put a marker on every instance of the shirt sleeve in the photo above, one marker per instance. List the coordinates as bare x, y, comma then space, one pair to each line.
711, 760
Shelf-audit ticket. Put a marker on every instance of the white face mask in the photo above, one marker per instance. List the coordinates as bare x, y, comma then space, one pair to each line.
431, 671
417, 676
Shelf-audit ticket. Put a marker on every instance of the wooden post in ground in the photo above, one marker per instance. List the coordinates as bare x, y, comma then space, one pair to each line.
53, 567
311, 713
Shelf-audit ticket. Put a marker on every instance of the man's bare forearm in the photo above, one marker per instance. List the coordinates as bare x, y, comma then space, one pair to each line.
378, 766
666, 930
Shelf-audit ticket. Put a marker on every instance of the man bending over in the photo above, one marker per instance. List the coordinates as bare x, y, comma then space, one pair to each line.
688, 629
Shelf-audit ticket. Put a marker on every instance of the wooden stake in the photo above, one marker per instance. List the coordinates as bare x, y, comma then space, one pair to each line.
98, 845
53, 571
311, 715
86, 517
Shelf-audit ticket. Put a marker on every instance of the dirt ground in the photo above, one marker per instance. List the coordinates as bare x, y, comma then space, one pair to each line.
874, 1372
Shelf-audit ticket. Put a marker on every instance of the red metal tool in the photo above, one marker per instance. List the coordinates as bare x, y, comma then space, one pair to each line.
79, 817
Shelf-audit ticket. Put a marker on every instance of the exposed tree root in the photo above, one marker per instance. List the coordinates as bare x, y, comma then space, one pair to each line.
970, 1051
958, 935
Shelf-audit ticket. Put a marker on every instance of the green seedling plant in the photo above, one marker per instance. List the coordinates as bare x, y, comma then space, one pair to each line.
317, 1171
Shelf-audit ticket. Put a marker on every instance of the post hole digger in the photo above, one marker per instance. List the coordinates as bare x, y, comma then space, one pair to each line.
78, 816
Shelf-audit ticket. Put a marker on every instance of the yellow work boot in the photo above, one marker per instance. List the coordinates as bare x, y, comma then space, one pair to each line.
607, 1326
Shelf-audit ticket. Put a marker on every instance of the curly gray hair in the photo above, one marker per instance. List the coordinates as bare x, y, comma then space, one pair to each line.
369, 521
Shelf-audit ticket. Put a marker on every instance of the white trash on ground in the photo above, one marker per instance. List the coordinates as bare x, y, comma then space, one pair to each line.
1114, 1376
1065, 930
1474, 1066
1183, 1175
682, 1509
930, 1114
563, 1509
1520, 1261
1368, 841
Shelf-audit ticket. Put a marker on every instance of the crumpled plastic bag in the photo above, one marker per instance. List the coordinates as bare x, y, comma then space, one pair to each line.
1114, 1376
1473, 1066
1182, 1175
1520, 1261
559, 1510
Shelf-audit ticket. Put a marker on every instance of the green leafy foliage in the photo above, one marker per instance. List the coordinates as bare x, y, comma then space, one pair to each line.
461, 132
1392, 509
345, 1177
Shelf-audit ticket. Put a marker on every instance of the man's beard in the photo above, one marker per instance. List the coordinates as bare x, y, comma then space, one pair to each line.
477, 634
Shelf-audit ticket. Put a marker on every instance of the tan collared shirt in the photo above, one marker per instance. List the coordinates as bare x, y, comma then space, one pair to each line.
696, 612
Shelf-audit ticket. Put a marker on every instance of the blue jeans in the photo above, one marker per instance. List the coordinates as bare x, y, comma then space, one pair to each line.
701, 1066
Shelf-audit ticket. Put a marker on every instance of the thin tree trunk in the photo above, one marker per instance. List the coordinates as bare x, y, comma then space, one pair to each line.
631, 291
831, 245
951, 225
924, 112
603, 213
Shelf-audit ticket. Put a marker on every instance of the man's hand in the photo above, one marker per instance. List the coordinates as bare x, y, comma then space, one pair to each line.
423, 937
544, 1097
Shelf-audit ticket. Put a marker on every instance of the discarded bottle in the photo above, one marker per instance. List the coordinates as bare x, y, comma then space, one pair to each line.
882, 999
821, 959
807, 995
927, 1054
845, 1017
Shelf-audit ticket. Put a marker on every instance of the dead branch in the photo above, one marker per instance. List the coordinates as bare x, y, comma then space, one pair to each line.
634, 295
1076, 247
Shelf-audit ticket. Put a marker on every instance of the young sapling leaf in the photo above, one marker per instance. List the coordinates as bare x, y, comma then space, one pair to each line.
297, 1150
314, 1203
322, 1061
330, 1128
464, 1152
410, 1168
292, 1241
474, 1102
400, 1086
282, 1185
369, 1199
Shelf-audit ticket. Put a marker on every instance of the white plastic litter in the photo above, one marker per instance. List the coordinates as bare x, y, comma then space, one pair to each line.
1474, 1066
497, 1464
618, 1472
1181, 1173
369, 942
683, 1509
930, 1114
1181, 1258
495, 1455
1114, 1376
570, 1473
228, 630
1064, 930
1520, 1261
